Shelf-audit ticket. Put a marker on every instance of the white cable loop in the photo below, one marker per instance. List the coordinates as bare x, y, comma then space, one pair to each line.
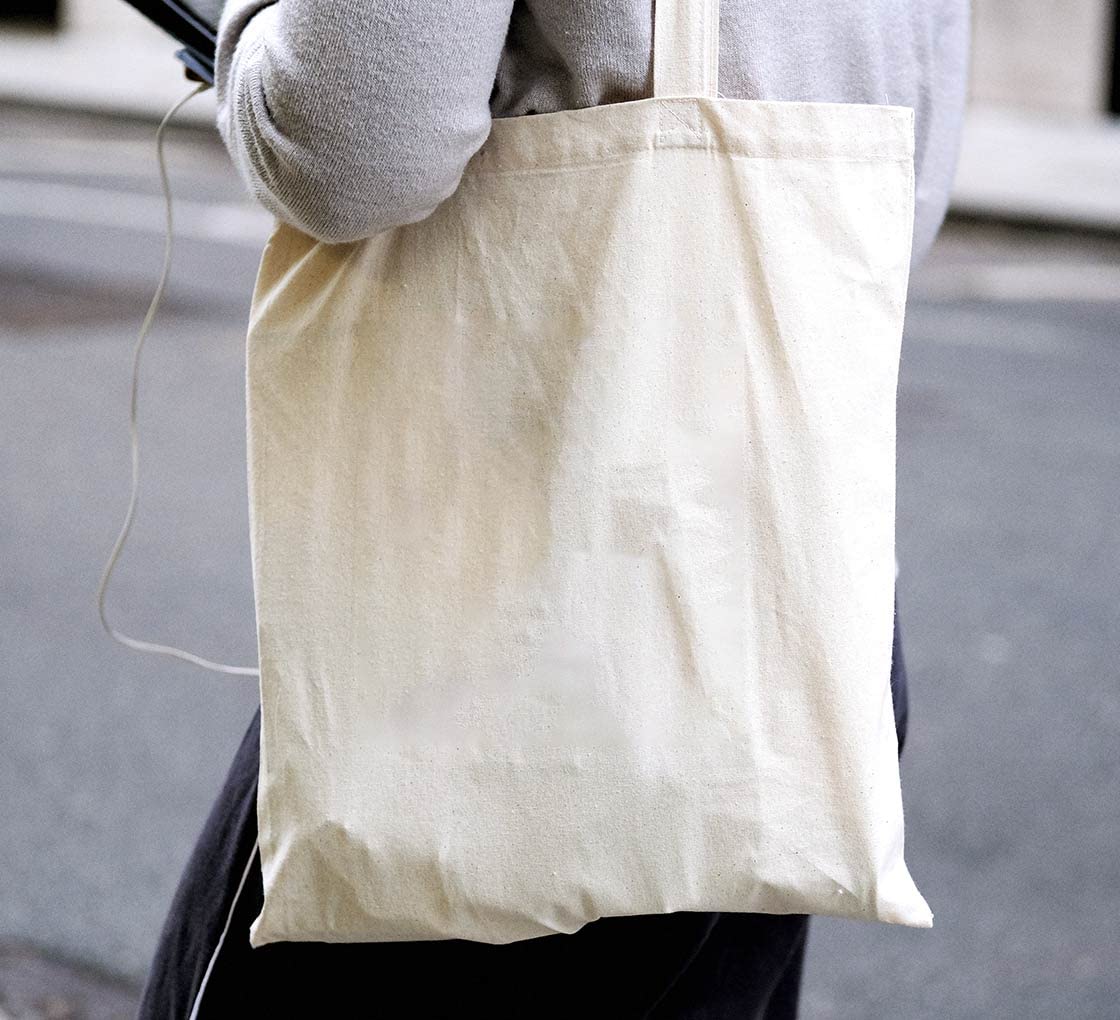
145, 328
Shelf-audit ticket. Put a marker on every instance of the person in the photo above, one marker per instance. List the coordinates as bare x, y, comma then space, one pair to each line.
349, 117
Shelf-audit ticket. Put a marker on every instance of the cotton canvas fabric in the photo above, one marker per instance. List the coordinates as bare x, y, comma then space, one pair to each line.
572, 522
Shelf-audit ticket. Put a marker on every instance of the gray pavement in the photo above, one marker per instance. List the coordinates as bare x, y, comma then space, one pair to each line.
109, 759
1009, 544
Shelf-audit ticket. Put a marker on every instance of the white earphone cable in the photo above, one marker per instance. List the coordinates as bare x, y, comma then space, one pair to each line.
145, 328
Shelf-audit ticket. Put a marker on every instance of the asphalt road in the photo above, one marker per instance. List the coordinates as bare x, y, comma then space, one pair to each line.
1009, 544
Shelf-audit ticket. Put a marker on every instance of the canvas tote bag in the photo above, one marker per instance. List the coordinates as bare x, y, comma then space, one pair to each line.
572, 527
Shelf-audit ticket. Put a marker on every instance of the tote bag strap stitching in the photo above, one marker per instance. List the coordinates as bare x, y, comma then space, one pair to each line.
685, 48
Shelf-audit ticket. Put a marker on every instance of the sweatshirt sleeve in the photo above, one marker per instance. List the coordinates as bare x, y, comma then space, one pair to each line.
348, 117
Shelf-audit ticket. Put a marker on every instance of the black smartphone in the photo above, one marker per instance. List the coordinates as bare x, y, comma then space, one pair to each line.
194, 23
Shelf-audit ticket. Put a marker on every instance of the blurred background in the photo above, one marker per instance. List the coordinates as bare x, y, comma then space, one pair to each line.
1008, 527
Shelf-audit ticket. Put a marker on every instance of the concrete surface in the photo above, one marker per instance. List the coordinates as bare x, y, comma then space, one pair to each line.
1009, 543
1039, 169
36, 986
109, 759
1052, 56
109, 58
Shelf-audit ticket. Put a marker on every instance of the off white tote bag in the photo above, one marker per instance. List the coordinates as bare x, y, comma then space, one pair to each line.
572, 524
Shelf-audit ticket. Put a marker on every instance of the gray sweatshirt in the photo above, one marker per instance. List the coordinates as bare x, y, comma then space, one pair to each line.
348, 117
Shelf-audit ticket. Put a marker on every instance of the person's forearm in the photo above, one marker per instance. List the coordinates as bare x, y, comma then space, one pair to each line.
348, 117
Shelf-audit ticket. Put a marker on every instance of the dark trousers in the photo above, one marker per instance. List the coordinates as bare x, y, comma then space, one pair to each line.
680, 966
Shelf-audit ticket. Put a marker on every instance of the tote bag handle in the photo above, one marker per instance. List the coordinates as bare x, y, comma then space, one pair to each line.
685, 48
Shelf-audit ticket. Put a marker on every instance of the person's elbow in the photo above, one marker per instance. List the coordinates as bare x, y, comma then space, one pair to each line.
339, 184
338, 204
349, 137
